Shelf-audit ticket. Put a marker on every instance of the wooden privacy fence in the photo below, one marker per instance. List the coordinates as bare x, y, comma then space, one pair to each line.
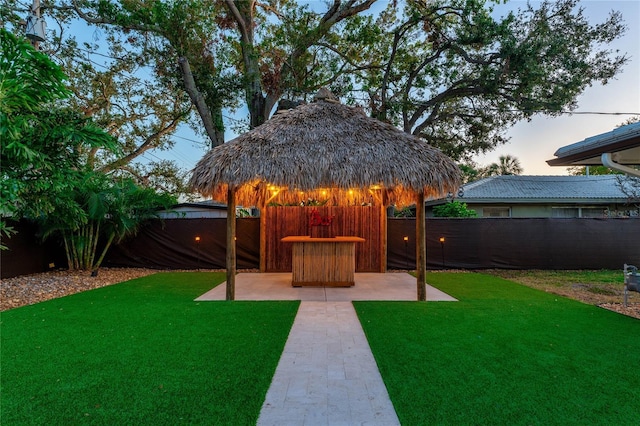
367, 222
468, 244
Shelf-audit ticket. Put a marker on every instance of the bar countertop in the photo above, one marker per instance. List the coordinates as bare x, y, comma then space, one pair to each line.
307, 239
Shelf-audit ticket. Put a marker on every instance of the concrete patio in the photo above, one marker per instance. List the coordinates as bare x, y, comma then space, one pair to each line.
368, 286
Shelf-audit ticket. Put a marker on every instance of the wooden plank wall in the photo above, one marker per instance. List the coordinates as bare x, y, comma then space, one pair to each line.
359, 221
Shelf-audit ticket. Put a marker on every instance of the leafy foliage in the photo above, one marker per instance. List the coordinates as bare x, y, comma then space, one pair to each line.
630, 186
593, 170
453, 209
47, 158
28, 78
506, 165
404, 212
41, 142
124, 76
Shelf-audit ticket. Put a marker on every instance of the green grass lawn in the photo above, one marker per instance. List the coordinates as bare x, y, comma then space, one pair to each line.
505, 354
141, 352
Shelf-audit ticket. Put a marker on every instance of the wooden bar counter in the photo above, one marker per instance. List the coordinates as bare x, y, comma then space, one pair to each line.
323, 261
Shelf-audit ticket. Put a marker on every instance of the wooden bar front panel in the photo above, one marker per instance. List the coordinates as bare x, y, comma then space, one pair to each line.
323, 261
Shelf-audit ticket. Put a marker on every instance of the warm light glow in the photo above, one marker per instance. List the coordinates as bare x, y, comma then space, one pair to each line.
324, 193
197, 239
405, 238
273, 189
442, 239
351, 192
375, 187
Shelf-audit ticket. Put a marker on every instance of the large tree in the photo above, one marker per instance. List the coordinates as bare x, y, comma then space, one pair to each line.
47, 161
272, 48
181, 44
293, 51
451, 72
445, 70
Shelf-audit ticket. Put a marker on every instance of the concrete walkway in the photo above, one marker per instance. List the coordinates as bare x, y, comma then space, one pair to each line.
327, 374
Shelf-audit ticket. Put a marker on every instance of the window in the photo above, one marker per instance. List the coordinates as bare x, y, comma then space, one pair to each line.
565, 212
496, 212
592, 212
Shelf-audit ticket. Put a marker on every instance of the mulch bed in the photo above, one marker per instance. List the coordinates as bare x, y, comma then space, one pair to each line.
34, 288
632, 310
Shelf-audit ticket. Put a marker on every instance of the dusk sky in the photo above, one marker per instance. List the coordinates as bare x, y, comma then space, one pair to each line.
535, 142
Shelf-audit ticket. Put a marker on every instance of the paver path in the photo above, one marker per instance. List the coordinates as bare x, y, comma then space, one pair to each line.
327, 374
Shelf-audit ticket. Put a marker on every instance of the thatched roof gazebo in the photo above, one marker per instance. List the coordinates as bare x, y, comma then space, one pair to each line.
329, 147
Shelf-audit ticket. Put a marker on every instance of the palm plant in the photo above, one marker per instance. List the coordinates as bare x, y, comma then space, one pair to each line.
129, 207
506, 165
99, 213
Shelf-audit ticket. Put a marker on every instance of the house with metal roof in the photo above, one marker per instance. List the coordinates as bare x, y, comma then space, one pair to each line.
545, 196
203, 210
618, 149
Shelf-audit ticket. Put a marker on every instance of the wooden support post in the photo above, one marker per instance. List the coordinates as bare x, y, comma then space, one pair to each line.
383, 235
263, 237
231, 243
421, 248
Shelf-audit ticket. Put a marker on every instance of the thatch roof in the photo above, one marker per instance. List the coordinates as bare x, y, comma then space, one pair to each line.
325, 148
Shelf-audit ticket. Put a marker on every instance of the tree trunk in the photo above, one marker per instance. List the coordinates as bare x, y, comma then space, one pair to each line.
95, 267
94, 248
218, 125
67, 250
253, 91
88, 245
243, 14
74, 253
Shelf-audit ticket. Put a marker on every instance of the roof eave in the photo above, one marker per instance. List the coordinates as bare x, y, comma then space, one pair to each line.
471, 201
591, 155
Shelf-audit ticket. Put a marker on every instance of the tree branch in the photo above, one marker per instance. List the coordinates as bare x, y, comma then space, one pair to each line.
336, 13
199, 101
243, 25
92, 20
145, 146
435, 102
